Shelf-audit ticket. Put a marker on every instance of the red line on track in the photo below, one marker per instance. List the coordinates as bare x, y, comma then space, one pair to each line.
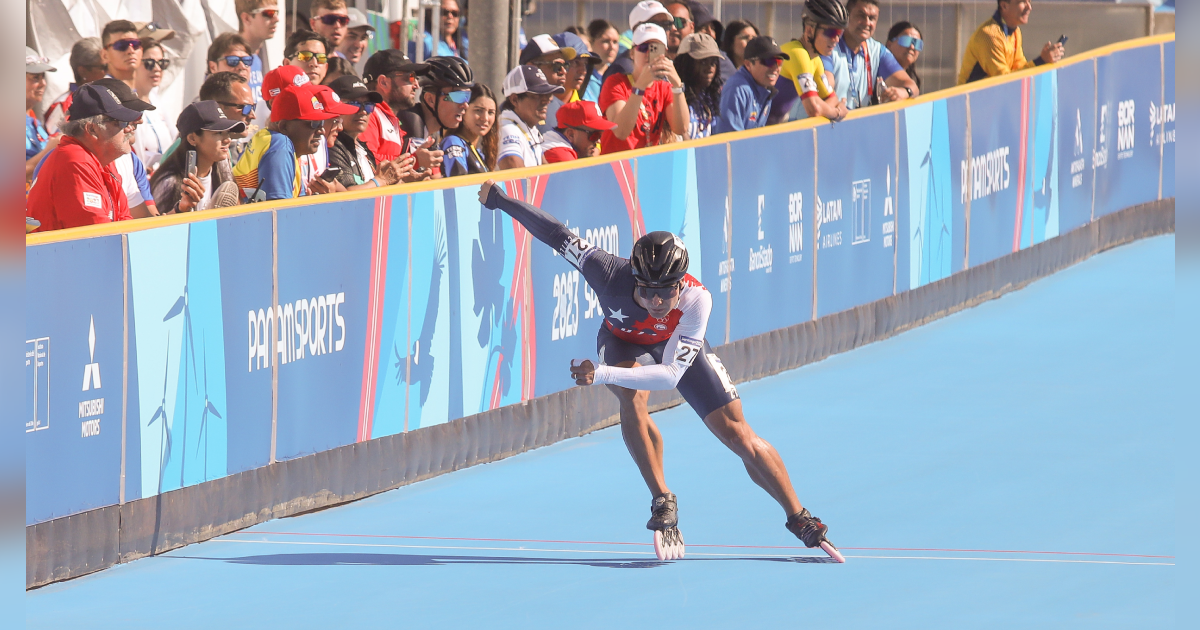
597, 542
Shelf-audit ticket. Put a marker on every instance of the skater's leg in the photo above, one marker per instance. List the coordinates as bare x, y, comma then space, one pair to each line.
641, 436
761, 459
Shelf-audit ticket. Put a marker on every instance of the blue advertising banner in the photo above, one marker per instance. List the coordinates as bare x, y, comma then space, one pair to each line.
1038, 218
74, 347
388, 409
1128, 156
319, 329
771, 210
1165, 117
428, 357
930, 217
1076, 143
993, 178
855, 213
601, 204
712, 194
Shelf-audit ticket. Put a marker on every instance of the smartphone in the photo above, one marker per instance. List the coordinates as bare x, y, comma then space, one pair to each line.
331, 173
1063, 40
657, 50
191, 162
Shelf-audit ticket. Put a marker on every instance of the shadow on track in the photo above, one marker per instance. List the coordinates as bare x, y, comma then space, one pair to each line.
389, 559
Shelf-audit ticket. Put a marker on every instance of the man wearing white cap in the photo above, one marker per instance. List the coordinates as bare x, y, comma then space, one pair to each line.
527, 95
643, 108
358, 34
37, 139
646, 11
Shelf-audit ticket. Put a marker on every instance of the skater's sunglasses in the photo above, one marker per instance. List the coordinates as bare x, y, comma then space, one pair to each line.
150, 63
458, 97
663, 293
233, 60
267, 13
329, 19
122, 45
305, 55
832, 33
908, 41
366, 106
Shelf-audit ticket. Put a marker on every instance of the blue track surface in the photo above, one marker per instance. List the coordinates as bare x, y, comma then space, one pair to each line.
1038, 421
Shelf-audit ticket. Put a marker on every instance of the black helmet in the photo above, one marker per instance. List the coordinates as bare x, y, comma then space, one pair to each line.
659, 259
831, 12
447, 72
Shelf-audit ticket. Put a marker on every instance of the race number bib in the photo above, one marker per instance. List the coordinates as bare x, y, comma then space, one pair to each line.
688, 350
807, 84
576, 250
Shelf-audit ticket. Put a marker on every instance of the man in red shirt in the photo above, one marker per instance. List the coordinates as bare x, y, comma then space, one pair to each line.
644, 103
579, 128
77, 184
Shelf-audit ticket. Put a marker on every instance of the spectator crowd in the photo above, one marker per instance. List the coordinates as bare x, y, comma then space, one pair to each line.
310, 125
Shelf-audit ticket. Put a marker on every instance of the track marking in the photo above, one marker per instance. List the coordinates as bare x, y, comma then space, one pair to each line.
651, 553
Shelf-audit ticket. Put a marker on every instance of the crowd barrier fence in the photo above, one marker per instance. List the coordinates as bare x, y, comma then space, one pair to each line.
243, 364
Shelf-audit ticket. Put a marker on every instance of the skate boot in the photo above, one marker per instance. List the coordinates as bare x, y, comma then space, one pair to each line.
811, 531
664, 521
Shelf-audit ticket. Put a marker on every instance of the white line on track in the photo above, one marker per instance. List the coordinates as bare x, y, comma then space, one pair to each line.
690, 554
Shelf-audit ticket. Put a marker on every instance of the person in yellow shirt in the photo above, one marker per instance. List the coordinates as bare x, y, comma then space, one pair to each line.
824, 24
995, 48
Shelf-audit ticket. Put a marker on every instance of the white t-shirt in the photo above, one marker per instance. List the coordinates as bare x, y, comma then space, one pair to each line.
517, 139
206, 199
311, 166
124, 165
364, 163
154, 135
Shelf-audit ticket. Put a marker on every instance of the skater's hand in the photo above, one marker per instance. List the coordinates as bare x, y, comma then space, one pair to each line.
484, 189
584, 372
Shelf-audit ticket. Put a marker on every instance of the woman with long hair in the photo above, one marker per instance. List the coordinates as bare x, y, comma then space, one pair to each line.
451, 41
904, 40
698, 65
154, 135
203, 128
737, 35
472, 148
604, 40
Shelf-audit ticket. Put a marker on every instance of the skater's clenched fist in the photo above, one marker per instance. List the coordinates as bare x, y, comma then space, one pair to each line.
584, 372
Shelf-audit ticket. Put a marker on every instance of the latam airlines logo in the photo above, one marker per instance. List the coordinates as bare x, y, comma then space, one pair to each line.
1079, 162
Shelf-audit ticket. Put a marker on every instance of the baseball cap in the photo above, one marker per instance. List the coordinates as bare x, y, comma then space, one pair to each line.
35, 63
649, 32
388, 61
583, 114
299, 102
699, 46
332, 102
529, 79
94, 100
764, 47
151, 30
544, 45
570, 41
700, 14
125, 94
206, 116
645, 11
358, 20
351, 88
281, 77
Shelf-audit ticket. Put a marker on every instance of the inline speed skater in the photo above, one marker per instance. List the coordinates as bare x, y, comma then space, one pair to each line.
652, 338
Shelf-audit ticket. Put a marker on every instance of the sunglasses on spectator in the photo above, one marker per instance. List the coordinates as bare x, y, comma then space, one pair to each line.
644, 46
451, 13
245, 109
458, 97
305, 55
121, 45
908, 41
832, 33
593, 136
557, 65
367, 106
664, 293
314, 124
233, 60
676, 23
329, 19
267, 13
150, 63
770, 62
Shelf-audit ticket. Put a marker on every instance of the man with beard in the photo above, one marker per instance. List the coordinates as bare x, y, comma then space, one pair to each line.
394, 77
77, 184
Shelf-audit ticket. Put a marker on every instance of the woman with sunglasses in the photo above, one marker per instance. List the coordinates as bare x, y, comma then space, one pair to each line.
452, 40
473, 147
647, 102
309, 52
652, 338
154, 135
904, 42
359, 168
229, 53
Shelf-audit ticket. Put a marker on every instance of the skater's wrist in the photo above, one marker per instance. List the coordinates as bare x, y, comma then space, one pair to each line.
603, 375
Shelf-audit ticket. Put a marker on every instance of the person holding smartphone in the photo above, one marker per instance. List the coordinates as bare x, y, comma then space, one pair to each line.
651, 102
190, 177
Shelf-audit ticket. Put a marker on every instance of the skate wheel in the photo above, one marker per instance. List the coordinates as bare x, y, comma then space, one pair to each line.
832, 551
668, 544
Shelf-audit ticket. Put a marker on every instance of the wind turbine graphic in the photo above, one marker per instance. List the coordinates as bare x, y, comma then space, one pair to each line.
208, 408
189, 348
165, 454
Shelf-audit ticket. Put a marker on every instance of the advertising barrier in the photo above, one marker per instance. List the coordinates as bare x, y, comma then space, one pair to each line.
161, 356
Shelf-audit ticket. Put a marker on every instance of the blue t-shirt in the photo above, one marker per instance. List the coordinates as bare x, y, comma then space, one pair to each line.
256, 76
443, 49
699, 125
35, 136
853, 77
744, 103
592, 93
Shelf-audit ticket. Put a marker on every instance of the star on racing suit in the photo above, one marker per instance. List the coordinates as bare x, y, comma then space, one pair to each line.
671, 353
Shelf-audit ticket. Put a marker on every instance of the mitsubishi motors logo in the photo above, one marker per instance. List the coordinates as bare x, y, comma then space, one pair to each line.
91, 371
